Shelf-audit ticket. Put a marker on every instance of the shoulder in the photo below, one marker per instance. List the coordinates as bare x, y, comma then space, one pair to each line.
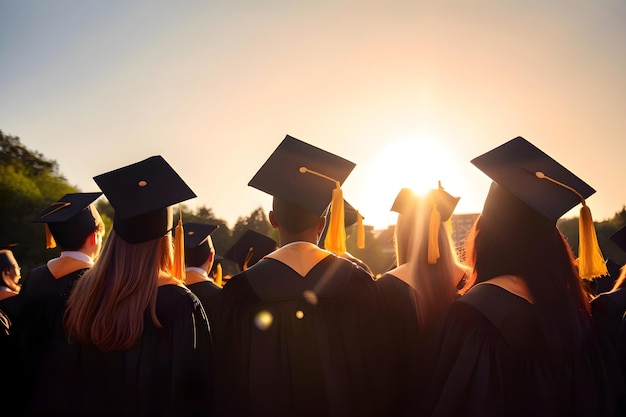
175, 295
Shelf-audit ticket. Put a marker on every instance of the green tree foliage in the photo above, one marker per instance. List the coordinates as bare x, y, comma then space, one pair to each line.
28, 184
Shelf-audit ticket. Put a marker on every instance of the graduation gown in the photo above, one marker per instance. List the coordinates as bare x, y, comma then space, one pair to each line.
168, 373
608, 309
293, 344
209, 295
38, 323
494, 360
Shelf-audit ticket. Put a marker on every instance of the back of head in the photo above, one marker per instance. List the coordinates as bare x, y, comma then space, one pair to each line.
292, 218
70, 220
7, 260
510, 238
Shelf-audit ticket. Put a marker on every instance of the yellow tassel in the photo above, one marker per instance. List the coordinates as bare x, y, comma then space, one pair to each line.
433, 236
218, 275
336, 236
590, 260
246, 261
360, 237
50, 242
179, 251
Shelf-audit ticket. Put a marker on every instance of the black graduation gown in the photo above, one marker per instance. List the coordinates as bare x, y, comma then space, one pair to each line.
169, 372
493, 361
607, 309
38, 323
318, 356
209, 294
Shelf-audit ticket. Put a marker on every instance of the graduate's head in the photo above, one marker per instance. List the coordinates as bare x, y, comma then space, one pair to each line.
303, 180
10, 270
421, 223
529, 193
70, 220
293, 218
198, 244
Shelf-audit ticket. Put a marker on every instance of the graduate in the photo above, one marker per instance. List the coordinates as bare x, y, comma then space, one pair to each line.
418, 292
199, 258
299, 329
73, 225
137, 340
521, 341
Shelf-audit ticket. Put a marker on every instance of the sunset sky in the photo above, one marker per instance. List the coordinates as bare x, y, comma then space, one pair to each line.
410, 91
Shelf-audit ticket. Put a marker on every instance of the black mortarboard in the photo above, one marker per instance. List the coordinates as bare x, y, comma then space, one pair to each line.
351, 217
351, 214
70, 219
619, 238
445, 203
547, 188
250, 248
281, 175
142, 195
197, 248
513, 166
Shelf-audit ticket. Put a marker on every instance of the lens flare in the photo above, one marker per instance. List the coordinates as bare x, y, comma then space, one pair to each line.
263, 320
310, 297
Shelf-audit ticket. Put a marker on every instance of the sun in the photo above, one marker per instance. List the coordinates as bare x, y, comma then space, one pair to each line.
419, 163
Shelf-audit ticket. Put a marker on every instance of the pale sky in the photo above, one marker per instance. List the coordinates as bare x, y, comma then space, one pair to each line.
410, 91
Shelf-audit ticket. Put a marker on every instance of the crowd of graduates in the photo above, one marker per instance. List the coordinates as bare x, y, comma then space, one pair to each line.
144, 324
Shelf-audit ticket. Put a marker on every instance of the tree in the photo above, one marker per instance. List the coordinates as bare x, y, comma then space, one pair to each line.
28, 184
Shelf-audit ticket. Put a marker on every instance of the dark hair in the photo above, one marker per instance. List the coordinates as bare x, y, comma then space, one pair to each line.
516, 240
293, 218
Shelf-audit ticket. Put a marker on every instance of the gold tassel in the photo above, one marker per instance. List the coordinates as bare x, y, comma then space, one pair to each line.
433, 235
336, 236
218, 275
335, 240
591, 262
360, 237
50, 242
246, 261
179, 250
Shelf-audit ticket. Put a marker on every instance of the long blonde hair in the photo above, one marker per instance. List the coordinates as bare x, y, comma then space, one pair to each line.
434, 285
106, 307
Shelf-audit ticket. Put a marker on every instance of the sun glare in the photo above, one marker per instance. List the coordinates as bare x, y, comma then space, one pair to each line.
416, 163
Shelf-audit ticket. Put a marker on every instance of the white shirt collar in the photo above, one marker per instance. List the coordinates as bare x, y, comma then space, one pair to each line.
79, 256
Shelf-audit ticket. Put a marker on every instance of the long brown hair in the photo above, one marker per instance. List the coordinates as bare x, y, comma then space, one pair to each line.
510, 238
434, 285
106, 307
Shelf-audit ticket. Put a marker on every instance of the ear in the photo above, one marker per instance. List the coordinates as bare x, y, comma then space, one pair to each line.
273, 220
93, 239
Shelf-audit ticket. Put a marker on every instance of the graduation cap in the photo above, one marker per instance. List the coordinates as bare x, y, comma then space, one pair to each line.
441, 205
197, 248
142, 195
250, 248
70, 220
445, 203
351, 216
308, 177
547, 188
7, 260
619, 238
